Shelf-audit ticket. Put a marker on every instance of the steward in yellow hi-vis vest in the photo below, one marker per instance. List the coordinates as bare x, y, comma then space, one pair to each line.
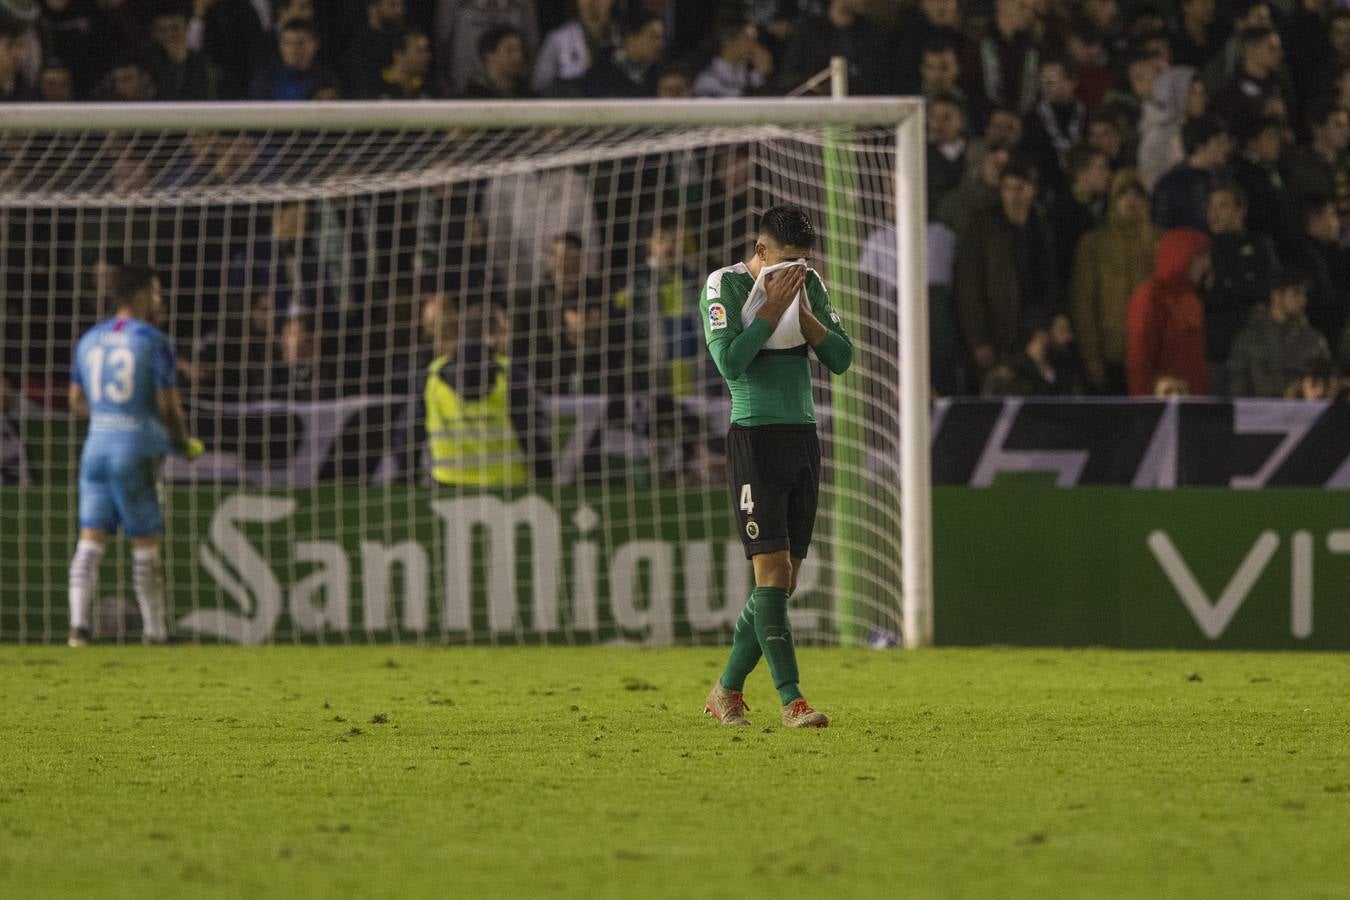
470, 432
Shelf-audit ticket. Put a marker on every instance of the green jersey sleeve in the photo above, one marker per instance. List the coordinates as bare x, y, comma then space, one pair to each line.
733, 348
836, 351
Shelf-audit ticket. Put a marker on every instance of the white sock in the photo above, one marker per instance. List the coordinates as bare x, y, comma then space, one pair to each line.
84, 581
148, 579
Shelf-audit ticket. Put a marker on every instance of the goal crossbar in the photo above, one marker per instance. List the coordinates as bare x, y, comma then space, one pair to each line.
418, 115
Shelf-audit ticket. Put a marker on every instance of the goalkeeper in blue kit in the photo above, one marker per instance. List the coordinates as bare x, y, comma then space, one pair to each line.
762, 318
123, 377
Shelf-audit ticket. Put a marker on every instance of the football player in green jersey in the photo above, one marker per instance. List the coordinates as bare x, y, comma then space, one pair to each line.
762, 319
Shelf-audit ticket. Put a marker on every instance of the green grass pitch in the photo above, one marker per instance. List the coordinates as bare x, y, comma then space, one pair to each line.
366, 771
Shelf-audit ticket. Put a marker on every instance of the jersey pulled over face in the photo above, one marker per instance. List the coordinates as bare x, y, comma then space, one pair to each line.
774, 388
788, 332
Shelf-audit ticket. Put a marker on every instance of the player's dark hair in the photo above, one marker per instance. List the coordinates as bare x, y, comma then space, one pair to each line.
493, 37
131, 279
571, 239
789, 225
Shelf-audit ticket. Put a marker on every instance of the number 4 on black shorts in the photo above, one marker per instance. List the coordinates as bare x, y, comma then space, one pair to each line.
775, 485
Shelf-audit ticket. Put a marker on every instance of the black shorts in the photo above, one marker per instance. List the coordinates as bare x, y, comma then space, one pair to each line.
775, 486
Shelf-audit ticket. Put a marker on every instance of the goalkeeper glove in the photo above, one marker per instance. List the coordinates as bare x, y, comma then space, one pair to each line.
194, 449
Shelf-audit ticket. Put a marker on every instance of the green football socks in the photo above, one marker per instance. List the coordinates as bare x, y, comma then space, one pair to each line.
775, 639
763, 629
745, 652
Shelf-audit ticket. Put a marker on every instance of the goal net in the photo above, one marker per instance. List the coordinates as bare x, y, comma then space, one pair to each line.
538, 267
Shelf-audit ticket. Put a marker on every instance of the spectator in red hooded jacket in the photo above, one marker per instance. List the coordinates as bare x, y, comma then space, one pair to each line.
1166, 317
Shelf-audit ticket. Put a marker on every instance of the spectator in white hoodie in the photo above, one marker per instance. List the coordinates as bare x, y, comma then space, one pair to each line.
1178, 97
571, 49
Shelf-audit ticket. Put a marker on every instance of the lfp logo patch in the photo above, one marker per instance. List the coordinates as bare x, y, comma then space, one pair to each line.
717, 317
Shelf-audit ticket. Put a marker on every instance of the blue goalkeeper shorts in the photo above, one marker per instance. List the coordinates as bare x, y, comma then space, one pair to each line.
119, 489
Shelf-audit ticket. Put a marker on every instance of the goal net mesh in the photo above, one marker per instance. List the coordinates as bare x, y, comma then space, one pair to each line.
310, 278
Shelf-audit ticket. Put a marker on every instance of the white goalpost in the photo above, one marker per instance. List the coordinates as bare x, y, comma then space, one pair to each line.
318, 259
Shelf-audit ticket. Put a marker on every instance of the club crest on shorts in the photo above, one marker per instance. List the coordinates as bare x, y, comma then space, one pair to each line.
752, 530
717, 317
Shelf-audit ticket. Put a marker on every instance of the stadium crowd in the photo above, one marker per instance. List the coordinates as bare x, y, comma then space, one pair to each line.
1145, 198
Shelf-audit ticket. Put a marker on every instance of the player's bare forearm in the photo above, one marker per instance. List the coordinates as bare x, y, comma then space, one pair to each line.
769, 317
174, 419
75, 400
178, 433
812, 330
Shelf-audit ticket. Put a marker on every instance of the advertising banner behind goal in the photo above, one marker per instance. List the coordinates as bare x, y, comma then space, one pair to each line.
337, 565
